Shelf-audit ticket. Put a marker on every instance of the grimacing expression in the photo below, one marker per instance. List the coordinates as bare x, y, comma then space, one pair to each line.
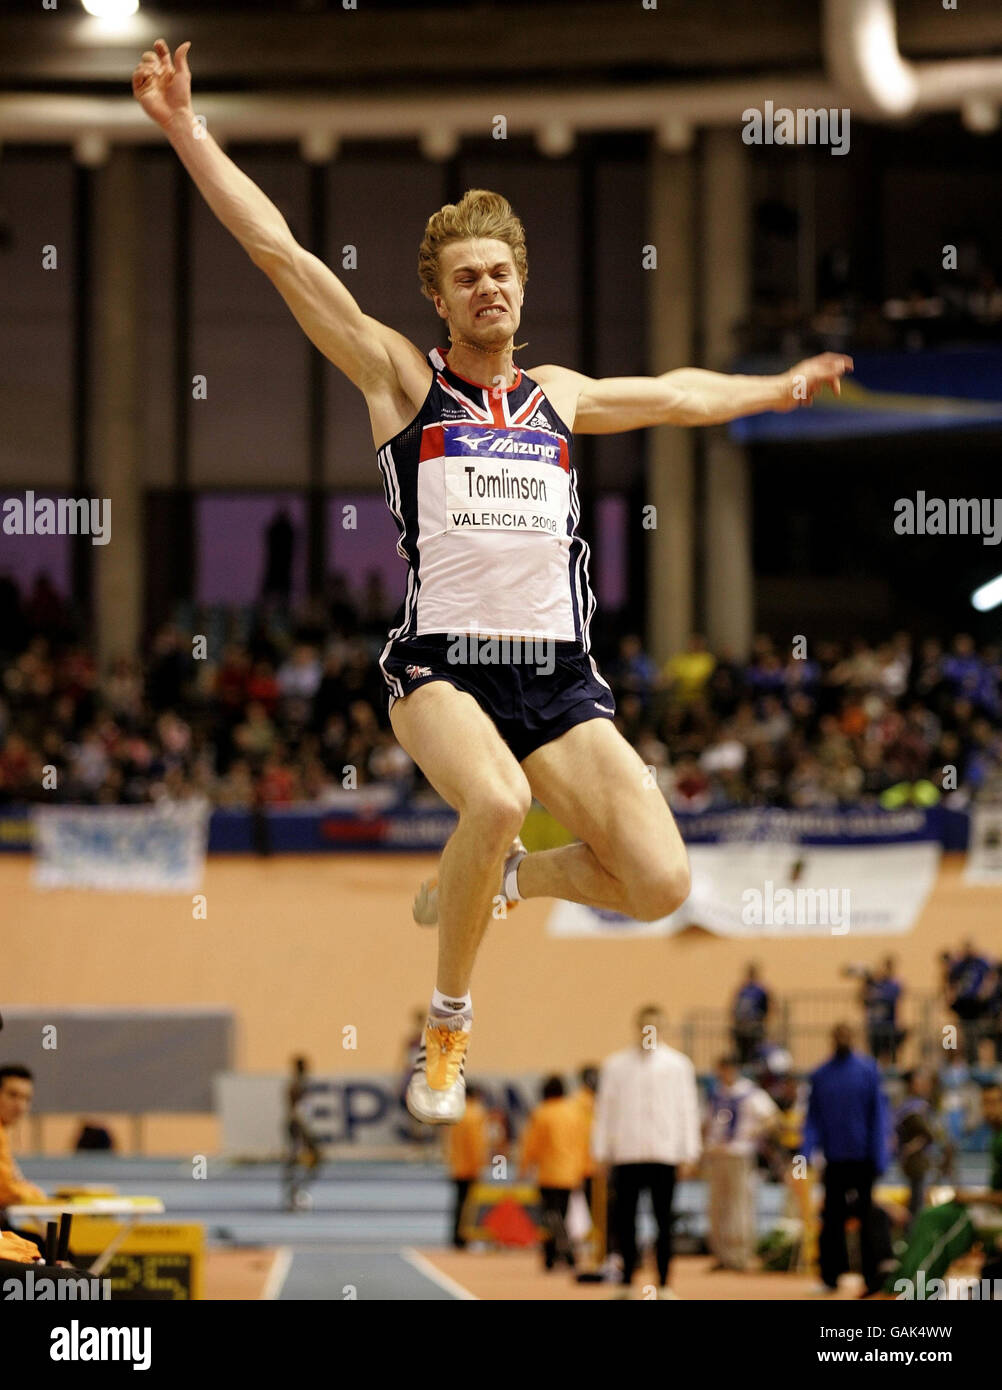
479, 291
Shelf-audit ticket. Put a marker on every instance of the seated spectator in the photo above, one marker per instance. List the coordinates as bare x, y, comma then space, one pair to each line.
256, 736
263, 687
808, 787
17, 1087
231, 682
388, 762
691, 790
962, 667
633, 672
298, 680
774, 722
688, 672
235, 789
169, 669
20, 769
278, 784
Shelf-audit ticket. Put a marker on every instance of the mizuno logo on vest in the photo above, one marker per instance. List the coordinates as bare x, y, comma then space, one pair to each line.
511, 442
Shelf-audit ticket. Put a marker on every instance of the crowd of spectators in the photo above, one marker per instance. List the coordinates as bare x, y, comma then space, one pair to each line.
830, 726
271, 710
275, 712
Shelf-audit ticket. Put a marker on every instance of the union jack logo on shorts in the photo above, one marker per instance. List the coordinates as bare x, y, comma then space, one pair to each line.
414, 671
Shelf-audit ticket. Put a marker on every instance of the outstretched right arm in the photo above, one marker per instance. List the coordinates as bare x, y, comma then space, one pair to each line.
389, 370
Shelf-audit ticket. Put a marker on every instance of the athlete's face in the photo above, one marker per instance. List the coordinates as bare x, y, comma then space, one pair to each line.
479, 291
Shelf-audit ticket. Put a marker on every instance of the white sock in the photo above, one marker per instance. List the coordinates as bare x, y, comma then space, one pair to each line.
511, 881
449, 1004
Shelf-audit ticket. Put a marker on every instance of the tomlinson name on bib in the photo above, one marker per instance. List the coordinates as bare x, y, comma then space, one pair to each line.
505, 480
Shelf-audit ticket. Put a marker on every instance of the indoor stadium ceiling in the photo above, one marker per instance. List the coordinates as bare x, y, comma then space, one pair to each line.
310, 44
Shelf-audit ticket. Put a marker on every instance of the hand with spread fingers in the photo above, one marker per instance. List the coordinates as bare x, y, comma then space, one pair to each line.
162, 84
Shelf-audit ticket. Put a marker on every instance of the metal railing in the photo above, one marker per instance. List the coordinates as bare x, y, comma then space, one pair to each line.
801, 1024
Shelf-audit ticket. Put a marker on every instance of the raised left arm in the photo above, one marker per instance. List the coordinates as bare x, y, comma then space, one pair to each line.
690, 395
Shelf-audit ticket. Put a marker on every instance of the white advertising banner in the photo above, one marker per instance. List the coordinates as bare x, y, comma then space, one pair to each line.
984, 853
773, 889
149, 849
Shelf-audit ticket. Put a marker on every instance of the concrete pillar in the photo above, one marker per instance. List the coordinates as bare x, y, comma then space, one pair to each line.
728, 579
115, 460
728, 576
670, 481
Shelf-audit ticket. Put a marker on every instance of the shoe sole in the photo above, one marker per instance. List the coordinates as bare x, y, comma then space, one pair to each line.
432, 1119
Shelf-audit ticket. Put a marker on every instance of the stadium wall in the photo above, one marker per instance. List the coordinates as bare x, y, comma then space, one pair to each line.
301, 948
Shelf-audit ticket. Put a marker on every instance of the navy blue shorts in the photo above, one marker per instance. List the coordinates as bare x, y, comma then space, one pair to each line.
534, 692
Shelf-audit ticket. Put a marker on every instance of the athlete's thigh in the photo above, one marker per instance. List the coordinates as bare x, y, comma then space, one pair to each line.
599, 789
456, 745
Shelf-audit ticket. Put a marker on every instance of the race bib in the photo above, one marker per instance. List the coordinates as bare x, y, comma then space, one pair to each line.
505, 480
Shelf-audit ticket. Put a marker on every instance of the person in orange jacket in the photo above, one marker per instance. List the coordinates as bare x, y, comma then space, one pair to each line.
467, 1149
16, 1090
584, 1098
552, 1146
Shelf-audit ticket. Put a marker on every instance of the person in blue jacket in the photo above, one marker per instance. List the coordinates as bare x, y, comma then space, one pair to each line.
847, 1120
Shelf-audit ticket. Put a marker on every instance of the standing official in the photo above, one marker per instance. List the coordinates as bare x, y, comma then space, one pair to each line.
646, 1127
847, 1120
740, 1116
468, 1149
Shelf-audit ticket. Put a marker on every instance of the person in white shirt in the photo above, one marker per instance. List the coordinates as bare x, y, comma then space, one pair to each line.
646, 1127
740, 1115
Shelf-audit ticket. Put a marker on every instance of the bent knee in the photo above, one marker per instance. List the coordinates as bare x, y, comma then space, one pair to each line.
660, 892
498, 812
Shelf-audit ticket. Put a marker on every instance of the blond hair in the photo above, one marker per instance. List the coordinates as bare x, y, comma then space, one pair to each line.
479, 213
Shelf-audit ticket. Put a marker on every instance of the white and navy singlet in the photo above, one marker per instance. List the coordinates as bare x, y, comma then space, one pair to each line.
484, 491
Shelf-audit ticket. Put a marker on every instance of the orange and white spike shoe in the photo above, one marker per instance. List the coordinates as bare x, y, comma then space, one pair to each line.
425, 908
436, 1092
